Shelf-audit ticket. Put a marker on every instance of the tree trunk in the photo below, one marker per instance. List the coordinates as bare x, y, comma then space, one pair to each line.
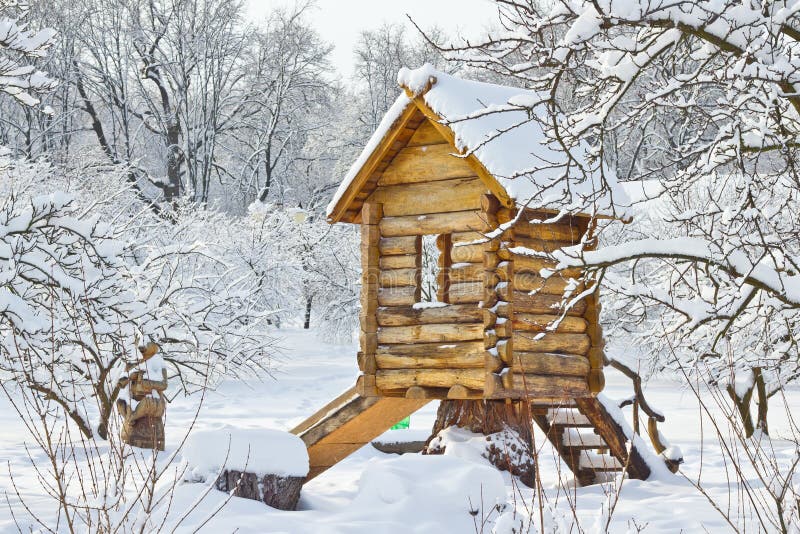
763, 400
307, 317
743, 407
172, 189
507, 425
281, 492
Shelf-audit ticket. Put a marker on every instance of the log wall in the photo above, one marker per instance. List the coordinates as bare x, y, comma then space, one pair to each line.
428, 350
538, 354
496, 335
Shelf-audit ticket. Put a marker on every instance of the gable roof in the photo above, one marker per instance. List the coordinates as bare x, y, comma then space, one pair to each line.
492, 128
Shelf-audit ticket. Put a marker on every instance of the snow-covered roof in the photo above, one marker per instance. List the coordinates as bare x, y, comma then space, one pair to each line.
492, 123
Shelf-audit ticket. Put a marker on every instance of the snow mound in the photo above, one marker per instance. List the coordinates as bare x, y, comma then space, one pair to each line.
260, 451
434, 493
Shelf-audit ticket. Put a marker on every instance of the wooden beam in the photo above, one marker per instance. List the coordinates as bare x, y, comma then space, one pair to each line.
407, 316
433, 223
444, 378
430, 333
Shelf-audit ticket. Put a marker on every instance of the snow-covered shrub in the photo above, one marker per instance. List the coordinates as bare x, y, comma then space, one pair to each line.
92, 289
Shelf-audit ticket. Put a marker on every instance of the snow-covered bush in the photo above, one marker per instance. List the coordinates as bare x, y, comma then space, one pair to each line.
93, 289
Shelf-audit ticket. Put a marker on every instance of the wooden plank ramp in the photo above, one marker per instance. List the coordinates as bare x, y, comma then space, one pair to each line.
347, 423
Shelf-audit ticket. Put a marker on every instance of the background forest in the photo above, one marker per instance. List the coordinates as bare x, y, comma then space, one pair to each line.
166, 167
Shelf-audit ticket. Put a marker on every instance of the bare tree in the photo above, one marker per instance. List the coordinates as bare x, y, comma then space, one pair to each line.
699, 98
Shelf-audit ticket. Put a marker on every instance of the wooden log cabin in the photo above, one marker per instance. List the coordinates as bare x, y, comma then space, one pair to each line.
433, 187
453, 301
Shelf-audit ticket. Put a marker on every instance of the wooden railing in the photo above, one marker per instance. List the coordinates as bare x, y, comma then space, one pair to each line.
639, 402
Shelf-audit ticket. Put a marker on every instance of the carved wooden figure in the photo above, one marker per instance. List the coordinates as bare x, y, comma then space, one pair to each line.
143, 418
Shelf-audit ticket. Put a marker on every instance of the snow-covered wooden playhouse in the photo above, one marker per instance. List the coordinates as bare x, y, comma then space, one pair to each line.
426, 172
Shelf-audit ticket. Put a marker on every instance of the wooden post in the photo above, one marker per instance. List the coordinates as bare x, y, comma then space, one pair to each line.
445, 245
371, 213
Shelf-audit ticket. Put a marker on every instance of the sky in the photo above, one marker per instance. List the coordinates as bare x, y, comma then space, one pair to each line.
339, 22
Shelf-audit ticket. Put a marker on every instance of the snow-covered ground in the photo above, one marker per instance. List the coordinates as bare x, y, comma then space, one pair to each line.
372, 492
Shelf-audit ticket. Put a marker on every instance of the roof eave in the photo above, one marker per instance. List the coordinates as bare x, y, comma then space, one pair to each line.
339, 212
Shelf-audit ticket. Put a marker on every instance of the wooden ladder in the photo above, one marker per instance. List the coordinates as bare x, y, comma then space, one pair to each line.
591, 443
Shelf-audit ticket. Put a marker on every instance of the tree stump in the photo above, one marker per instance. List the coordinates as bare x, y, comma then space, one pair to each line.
507, 426
281, 492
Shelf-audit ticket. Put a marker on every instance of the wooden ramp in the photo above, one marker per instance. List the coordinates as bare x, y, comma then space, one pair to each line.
347, 423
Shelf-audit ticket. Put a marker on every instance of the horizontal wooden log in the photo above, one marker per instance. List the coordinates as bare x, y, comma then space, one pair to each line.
503, 328
438, 378
397, 296
440, 350
458, 194
425, 163
426, 134
367, 363
466, 272
433, 360
406, 316
466, 292
550, 342
430, 333
493, 363
368, 321
534, 265
404, 261
536, 386
467, 253
390, 246
547, 232
459, 238
540, 303
460, 392
434, 223
531, 322
544, 363
554, 285
539, 245
529, 262
399, 277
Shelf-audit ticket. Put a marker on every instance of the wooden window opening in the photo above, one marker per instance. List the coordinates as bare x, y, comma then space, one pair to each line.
435, 268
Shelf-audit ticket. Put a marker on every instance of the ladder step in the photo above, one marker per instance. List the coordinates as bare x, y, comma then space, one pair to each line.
573, 425
567, 417
582, 447
599, 462
572, 436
